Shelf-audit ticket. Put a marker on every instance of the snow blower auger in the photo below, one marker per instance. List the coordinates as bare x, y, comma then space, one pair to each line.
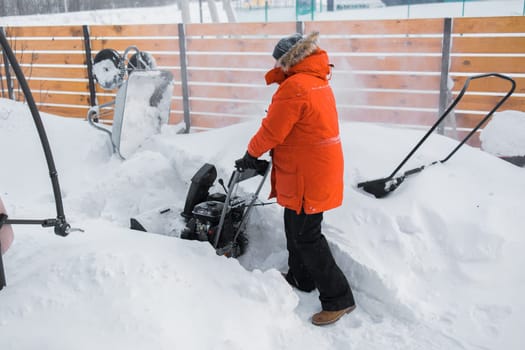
61, 226
382, 187
220, 218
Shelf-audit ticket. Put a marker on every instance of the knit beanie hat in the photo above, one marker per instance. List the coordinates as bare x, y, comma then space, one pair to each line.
285, 44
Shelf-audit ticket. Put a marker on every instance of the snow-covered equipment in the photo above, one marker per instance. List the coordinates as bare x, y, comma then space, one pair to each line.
60, 224
218, 218
142, 102
382, 187
108, 69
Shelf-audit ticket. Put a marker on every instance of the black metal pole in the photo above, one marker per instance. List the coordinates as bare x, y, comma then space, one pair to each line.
184, 77
8, 80
445, 63
61, 225
89, 66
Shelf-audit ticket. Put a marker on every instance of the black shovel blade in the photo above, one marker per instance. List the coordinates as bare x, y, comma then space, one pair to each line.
381, 187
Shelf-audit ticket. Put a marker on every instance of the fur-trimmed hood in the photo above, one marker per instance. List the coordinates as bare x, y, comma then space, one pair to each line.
302, 49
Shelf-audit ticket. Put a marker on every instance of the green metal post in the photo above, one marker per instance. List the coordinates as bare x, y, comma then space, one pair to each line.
266, 11
408, 9
463, 10
312, 9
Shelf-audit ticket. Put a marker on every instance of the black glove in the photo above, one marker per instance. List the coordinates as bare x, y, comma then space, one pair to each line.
246, 162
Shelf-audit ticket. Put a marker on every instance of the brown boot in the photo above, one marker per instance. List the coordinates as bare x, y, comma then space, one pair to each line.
328, 317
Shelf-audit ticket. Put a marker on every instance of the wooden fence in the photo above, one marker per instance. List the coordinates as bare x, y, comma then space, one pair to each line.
386, 71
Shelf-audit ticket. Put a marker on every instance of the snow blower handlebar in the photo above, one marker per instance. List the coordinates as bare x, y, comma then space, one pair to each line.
62, 228
381, 187
262, 167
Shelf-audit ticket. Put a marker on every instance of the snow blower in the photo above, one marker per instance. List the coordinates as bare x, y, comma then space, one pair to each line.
382, 187
60, 224
217, 218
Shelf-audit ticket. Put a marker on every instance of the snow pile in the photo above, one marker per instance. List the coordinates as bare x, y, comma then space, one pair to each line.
146, 107
435, 265
504, 135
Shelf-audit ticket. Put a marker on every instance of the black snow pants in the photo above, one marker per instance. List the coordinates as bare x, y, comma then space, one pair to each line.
310, 261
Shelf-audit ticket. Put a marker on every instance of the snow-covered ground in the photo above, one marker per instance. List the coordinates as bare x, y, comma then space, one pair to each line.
435, 265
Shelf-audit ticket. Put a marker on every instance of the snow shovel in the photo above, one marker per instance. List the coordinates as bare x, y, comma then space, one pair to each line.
382, 187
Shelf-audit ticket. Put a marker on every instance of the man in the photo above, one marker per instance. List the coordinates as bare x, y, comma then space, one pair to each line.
301, 129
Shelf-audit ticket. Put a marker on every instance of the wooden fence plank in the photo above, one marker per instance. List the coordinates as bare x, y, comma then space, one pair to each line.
225, 76
232, 44
468, 120
506, 45
45, 31
43, 97
486, 103
339, 79
228, 107
167, 60
479, 64
388, 45
483, 25
389, 81
133, 30
375, 63
384, 45
71, 112
388, 116
142, 44
57, 85
240, 29
207, 121
55, 72
369, 27
21, 44
489, 85
58, 58
390, 99
230, 92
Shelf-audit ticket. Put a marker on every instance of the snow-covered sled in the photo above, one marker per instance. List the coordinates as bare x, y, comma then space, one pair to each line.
142, 103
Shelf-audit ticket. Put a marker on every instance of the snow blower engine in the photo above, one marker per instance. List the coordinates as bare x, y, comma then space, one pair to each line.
219, 218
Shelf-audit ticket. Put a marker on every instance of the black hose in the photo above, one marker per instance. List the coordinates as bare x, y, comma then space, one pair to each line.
61, 226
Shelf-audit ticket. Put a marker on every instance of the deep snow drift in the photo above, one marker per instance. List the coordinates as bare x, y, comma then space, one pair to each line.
435, 265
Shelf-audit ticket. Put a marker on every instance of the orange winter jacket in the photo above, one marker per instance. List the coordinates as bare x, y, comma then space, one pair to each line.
302, 130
